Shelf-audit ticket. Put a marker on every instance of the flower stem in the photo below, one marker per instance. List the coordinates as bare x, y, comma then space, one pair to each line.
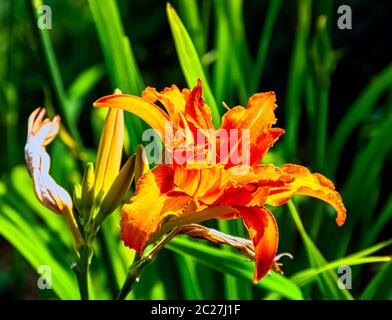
139, 264
132, 277
84, 264
84, 274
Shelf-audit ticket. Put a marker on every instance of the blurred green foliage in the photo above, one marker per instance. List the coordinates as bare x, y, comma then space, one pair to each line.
334, 91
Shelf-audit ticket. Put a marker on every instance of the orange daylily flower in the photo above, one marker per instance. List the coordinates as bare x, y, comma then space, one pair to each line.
176, 194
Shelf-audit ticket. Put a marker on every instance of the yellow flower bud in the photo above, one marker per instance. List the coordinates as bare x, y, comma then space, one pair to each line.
141, 163
118, 190
88, 186
109, 152
77, 197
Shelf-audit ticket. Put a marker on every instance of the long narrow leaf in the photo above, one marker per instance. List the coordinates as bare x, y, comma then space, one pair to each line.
189, 60
121, 65
328, 280
234, 264
357, 112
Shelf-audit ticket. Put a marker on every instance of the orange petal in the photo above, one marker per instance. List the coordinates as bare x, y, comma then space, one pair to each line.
140, 107
306, 183
154, 201
252, 188
196, 111
263, 231
263, 143
206, 183
258, 117
171, 98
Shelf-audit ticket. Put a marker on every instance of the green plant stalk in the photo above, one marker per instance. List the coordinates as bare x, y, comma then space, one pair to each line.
84, 263
296, 72
54, 73
132, 278
139, 264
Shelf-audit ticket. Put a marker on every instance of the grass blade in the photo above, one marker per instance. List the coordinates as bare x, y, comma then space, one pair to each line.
381, 279
358, 111
367, 167
358, 258
297, 71
189, 10
222, 66
54, 73
235, 289
28, 242
121, 65
81, 86
234, 264
190, 282
190, 62
328, 280
241, 57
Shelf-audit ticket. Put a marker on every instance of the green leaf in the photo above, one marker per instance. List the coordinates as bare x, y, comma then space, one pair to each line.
358, 258
235, 289
121, 65
381, 221
81, 86
327, 281
357, 112
223, 65
29, 242
367, 167
54, 73
189, 61
296, 72
240, 53
380, 280
20, 189
189, 280
189, 10
234, 264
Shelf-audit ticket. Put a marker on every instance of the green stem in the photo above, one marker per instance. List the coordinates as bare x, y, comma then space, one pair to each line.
83, 272
132, 277
139, 264
85, 258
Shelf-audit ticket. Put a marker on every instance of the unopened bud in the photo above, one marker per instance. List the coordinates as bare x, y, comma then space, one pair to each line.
77, 197
88, 186
109, 152
41, 133
118, 190
141, 163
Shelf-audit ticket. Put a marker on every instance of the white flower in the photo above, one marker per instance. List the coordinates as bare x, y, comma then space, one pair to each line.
41, 133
